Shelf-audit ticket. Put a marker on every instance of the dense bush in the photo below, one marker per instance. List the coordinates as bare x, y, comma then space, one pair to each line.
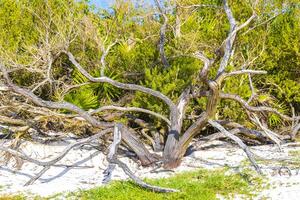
269, 44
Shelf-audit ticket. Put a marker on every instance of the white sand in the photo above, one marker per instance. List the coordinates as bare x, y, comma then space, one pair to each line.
63, 180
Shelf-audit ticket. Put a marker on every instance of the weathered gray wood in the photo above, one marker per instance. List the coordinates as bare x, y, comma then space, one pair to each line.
239, 142
135, 144
112, 158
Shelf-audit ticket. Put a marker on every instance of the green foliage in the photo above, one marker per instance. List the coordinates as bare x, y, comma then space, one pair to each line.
89, 96
170, 82
84, 97
271, 45
12, 198
282, 59
16, 26
132, 55
104, 91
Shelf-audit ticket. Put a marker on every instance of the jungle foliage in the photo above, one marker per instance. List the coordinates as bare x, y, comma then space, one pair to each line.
272, 43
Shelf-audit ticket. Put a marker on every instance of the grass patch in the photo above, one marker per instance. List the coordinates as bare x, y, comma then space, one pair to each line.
202, 184
292, 160
12, 198
294, 153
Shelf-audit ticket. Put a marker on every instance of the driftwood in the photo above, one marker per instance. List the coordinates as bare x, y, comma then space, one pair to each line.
239, 142
111, 157
47, 164
177, 140
113, 160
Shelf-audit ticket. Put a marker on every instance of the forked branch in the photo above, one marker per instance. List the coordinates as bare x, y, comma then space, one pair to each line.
125, 86
47, 164
113, 160
231, 35
257, 109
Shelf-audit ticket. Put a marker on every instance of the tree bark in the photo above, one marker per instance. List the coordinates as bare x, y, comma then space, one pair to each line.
176, 147
135, 144
177, 116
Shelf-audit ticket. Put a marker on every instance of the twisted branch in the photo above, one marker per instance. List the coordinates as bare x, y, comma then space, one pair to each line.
238, 141
113, 160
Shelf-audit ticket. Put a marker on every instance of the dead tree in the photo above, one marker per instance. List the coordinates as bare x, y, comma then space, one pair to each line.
178, 140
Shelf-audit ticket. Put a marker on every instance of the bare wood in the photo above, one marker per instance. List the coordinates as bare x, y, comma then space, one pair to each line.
230, 38
246, 71
130, 109
50, 104
113, 148
219, 135
231, 35
174, 159
207, 63
132, 141
130, 138
4, 88
61, 155
176, 117
117, 84
253, 94
48, 164
198, 6
104, 54
224, 75
141, 183
295, 131
270, 134
37, 176
177, 33
238, 141
256, 109
112, 158
8, 120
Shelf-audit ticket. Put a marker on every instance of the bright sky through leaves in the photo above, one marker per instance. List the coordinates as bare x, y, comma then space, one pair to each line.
107, 3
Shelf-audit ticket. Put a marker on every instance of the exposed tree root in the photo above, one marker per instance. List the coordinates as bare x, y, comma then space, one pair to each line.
48, 164
239, 142
113, 160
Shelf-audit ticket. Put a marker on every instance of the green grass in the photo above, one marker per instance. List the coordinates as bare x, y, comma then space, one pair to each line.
12, 198
294, 153
292, 160
202, 184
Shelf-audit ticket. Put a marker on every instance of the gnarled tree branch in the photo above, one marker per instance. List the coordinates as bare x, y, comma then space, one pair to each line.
117, 84
131, 109
238, 141
256, 109
113, 160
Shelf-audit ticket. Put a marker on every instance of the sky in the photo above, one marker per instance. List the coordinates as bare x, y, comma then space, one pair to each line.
107, 3
102, 3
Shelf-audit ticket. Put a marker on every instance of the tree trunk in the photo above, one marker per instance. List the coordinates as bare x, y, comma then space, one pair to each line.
172, 139
177, 116
173, 159
176, 148
136, 145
